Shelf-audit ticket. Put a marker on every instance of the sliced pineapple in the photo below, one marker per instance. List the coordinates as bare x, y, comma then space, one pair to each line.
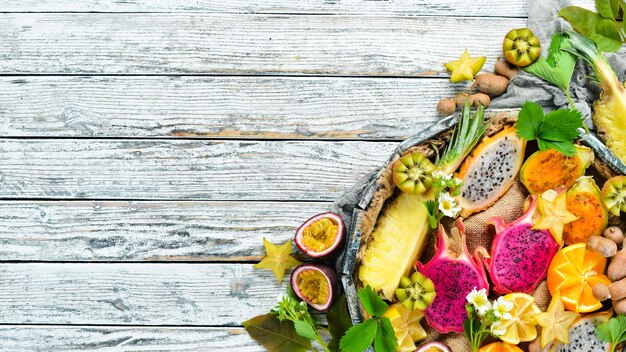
398, 239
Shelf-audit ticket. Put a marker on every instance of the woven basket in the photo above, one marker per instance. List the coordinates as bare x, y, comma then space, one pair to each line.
375, 196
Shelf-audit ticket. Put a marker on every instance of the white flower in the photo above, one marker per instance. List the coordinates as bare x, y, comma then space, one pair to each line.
448, 205
457, 182
438, 174
479, 300
502, 308
497, 329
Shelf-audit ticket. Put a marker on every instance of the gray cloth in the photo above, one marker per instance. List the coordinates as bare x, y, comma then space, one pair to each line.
543, 20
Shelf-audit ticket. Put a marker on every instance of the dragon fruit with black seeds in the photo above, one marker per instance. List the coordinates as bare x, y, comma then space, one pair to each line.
582, 336
454, 274
520, 255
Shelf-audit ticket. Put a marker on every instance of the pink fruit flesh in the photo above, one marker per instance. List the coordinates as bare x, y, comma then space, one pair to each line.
311, 252
327, 274
454, 277
433, 346
520, 256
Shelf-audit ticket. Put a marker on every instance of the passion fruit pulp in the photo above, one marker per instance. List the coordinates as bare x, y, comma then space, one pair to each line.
321, 235
433, 346
315, 285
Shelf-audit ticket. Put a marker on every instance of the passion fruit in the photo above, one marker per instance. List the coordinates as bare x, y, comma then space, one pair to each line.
413, 173
521, 47
321, 235
433, 346
315, 285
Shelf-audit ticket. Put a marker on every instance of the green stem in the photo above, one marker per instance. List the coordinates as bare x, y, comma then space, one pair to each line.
571, 102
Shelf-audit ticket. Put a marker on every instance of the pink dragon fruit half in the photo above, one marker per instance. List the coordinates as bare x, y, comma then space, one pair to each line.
520, 256
454, 276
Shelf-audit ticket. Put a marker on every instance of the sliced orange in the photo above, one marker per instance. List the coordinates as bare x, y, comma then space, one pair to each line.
522, 326
573, 272
406, 325
500, 347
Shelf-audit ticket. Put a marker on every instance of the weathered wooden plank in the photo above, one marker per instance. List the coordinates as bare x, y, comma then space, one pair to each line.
18, 338
243, 44
135, 294
146, 231
190, 169
219, 107
511, 8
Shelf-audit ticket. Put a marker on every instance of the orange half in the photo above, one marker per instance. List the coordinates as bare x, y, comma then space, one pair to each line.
573, 272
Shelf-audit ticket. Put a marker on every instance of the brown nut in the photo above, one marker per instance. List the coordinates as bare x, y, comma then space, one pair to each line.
617, 289
617, 268
490, 83
446, 107
604, 246
504, 68
480, 98
601, 292
619, 306
614, 233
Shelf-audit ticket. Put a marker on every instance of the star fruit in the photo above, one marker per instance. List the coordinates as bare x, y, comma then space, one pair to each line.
554, 214
465, 68
278, 258
555, 322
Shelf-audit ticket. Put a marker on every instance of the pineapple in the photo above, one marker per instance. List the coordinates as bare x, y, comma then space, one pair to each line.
399, 238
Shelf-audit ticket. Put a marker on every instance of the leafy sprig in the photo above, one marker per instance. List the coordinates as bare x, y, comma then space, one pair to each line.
555, 130
377, 329
605, 27
288, 308
613, 331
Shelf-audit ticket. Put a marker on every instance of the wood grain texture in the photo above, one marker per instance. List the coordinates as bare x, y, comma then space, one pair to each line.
146, 231
219, 107
511, 8
135, 294
24, 338
176, 169
243, 44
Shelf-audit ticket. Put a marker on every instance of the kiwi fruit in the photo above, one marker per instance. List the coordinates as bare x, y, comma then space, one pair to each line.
614, 194
521, 47
413, 173
415, 292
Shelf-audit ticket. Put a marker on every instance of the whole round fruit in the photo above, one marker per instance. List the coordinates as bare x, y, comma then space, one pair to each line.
413, 173
433, 346
521, 47
321, 235
500, 347
314, 284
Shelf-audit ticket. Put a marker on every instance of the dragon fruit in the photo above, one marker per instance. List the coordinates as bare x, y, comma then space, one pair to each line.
454, 275
520, 255
582, 336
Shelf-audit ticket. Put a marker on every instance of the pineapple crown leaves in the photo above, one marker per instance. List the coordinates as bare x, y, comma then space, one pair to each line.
465, 136
377, 329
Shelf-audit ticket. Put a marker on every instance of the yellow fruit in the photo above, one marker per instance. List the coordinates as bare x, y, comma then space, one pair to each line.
522, 326
407, 327
397, 241
500, 347
573, 272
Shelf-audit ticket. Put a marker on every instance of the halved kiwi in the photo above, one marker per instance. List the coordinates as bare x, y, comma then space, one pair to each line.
416, 292
521, 47
413, 173
614, 194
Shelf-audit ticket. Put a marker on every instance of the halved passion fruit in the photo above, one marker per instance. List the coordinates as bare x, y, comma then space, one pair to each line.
321, 235
433, 346
314, 284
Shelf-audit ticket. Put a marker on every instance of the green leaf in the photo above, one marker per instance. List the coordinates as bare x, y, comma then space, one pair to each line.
612, 331
605, 8
385, 340
565, 148
558, 67
276, 336
529, 121
561, 125
338, 322
359, 337
590, 24
304, 329
372, 303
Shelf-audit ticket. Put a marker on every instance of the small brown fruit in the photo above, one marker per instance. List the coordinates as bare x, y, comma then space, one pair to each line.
601, 292
615, 234
480, 98
446, 107
617, 290
461, 98
505, 69
604, 246
490, 83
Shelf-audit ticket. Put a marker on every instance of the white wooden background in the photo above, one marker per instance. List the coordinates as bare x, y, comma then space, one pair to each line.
147, 146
